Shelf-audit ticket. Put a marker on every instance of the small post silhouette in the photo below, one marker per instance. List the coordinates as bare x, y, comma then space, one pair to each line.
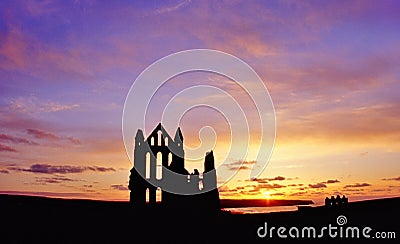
333, 201
345, 200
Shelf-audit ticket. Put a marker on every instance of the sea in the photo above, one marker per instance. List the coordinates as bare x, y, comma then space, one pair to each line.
272, 209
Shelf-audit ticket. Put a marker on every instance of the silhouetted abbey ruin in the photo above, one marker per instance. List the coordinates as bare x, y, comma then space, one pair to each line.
159, 164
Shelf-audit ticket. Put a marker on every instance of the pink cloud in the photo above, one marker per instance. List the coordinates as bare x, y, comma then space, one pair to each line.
13, 139
4, 148
172, 8
32, 104
19, 121
21, 52
40, 134
14, 48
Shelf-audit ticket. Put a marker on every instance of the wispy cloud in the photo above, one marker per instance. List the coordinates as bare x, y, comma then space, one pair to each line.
343, 130
5, 148
119, 187
45, 61
41, 134
357, 185
323, 184
277, 178
63, 169
14, 139
395, 178
331, 181
317, 185
239, 165
100, 169
172, 8
32, 104
53, 180
268, 179
269, 186
251, 189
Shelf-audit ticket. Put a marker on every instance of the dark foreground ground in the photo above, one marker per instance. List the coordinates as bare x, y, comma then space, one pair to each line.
43, 220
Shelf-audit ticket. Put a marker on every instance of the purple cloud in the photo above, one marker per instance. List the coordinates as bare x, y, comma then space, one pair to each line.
53, 180
396, 178
357, 185
277, 178
13, 139
63, 169
331, 181
323, 184
266, 180
4, 148
317, 185
100, 169
41, 134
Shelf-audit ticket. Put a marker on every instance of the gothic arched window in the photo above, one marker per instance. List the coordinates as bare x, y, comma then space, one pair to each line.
159, 166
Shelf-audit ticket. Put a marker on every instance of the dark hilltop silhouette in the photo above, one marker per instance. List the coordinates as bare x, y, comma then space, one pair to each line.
28, 219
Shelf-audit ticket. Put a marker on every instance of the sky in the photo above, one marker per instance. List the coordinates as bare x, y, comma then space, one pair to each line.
331, 68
